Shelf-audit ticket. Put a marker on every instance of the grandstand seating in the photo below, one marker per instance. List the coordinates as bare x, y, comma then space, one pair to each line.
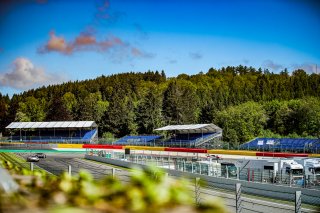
59, 136
283, 144
89, 134
137, 139
189, 140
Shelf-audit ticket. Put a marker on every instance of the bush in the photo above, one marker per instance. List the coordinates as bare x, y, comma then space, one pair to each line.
148, 191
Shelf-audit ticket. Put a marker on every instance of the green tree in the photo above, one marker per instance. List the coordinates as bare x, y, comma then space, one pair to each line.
119, 119
57, 111
92, 107
33, 109
149, 115
3, 112
180, 103
69, 100
242, 123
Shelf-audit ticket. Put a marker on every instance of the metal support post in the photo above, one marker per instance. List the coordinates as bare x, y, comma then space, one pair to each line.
69, 170
31, 166
238, 173
113, 172
298, 202
227, 172
238, 197
197, 191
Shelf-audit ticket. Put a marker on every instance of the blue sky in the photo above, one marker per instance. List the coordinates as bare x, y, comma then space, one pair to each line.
51, 41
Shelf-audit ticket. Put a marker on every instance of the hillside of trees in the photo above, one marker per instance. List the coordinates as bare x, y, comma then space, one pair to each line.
244, 101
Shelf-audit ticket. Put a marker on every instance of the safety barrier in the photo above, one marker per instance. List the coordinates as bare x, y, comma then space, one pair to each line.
314, 155
280, 154
96, 146
231, 152
77, 146
150, 148
169, 149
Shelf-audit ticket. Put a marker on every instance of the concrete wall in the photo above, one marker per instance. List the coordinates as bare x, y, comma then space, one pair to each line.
309, 196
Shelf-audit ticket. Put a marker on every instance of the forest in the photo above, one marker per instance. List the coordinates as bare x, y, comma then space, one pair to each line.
246, 102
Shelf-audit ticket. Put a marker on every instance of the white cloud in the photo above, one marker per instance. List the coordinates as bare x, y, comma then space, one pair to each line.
272, 65
308, 67
195, 55
24, 75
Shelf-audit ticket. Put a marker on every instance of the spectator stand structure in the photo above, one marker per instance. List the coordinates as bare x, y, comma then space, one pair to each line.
53, 132
138, 140
283, 145
192, 135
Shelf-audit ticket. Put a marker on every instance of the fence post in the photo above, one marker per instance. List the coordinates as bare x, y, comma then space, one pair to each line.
238, 173
238, 197
31, 166
197, 191
227, 172
69, 170
298, 202
113, 172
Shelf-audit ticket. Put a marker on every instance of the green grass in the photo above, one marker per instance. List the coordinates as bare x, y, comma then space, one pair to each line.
18, 161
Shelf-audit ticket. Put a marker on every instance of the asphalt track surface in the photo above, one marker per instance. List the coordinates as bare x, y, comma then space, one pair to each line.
57, 163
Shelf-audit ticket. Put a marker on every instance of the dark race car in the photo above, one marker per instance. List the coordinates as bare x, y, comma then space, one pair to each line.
40, 155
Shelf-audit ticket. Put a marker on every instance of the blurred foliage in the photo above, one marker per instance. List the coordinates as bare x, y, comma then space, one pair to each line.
148, 191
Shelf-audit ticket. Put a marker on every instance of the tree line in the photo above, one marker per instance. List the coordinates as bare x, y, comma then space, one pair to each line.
244, 101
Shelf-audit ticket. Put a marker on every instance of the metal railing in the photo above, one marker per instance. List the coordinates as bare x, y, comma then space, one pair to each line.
211, 167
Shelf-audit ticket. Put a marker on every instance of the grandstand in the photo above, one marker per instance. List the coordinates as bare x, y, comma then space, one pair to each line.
283, 145
192, 135
53, 132
145, 140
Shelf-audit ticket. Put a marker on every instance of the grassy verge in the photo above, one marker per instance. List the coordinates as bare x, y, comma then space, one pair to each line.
18, 161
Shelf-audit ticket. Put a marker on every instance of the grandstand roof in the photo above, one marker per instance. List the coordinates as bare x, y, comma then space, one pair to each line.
191, 128
52, 124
